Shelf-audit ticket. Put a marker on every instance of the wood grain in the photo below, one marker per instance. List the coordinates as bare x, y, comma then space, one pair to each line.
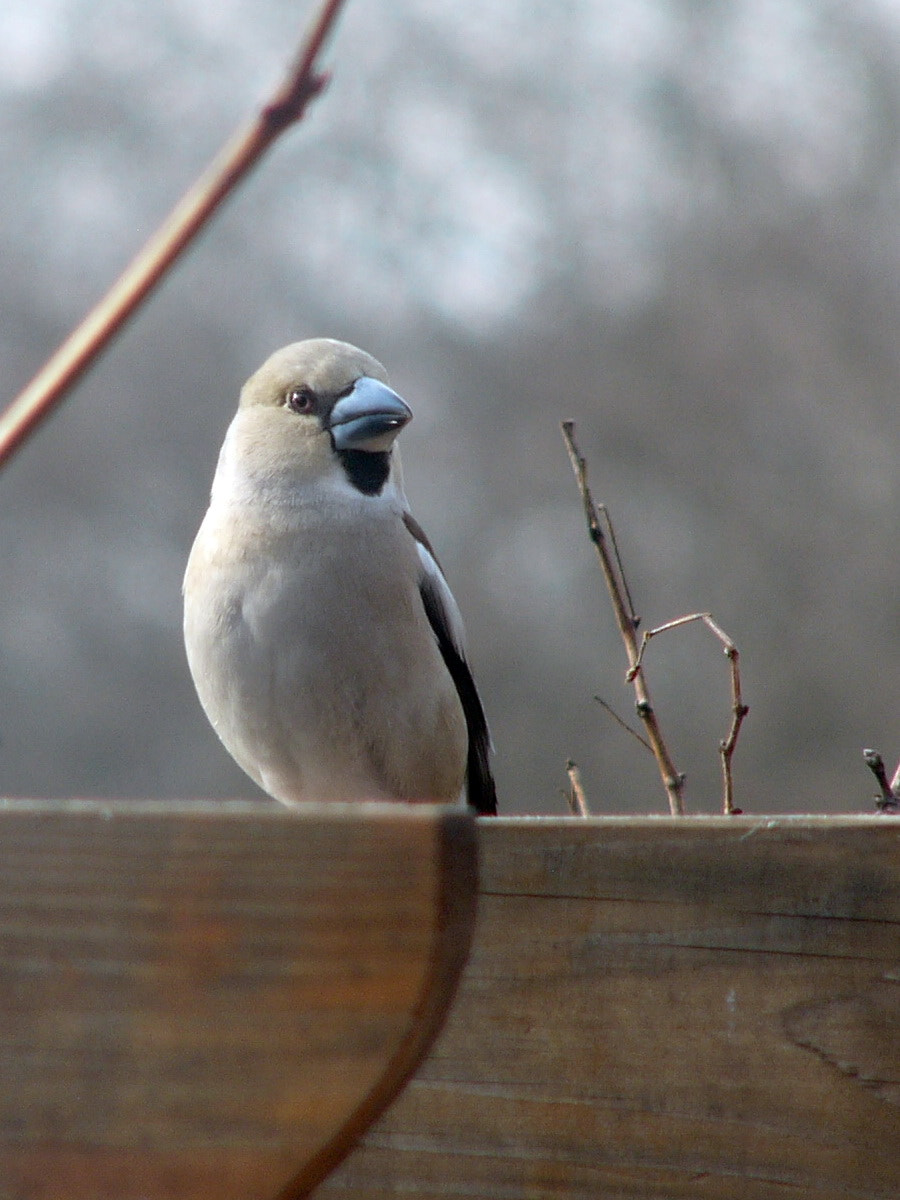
213, 1000
697, 1008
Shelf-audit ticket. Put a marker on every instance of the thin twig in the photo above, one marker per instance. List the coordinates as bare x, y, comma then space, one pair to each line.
739, 709
889, 800
619, 569
673, 780
240, 154
578, 805
624, 724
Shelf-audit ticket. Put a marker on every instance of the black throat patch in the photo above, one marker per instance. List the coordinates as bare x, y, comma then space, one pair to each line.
367, 470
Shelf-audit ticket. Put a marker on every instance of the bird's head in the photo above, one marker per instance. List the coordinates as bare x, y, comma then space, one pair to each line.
318, 405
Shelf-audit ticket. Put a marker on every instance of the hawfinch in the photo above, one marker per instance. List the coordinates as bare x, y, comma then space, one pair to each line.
324, 643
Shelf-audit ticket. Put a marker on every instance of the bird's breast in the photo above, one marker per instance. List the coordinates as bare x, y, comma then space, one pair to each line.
314, 658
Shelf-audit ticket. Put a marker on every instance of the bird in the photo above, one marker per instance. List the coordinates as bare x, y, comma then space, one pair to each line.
324, 643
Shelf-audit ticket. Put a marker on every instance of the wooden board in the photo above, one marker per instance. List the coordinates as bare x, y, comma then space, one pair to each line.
703, 1008
211, 1001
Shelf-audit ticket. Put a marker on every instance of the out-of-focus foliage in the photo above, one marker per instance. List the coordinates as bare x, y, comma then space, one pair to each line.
675, 222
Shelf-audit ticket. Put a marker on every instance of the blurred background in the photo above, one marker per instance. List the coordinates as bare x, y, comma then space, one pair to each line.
676, 222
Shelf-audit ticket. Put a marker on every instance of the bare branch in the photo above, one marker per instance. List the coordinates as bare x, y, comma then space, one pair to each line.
889, 800
727, 746
673, 780
619, 569
187, 219
578, 805
739, 709
624, 724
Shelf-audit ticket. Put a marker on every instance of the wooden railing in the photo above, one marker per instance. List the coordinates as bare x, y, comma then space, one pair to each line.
204, 1000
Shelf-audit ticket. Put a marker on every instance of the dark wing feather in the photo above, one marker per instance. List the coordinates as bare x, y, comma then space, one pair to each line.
443, 617
480, 790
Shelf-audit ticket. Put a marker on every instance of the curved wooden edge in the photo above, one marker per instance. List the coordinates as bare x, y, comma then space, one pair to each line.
97, 850
456, 904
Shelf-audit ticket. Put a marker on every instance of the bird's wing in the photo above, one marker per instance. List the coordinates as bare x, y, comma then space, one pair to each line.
446, 622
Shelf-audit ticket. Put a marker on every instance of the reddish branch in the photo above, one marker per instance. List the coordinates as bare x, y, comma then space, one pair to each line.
286, 107
889, 800
739, 709
627, 621
673, 780
578, 805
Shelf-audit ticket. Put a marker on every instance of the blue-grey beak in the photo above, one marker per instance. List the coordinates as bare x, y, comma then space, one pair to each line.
368, 418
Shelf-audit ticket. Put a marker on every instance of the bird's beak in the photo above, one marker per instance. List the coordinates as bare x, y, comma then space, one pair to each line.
368, 418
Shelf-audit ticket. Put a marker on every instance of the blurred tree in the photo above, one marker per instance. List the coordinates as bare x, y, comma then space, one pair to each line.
674, 222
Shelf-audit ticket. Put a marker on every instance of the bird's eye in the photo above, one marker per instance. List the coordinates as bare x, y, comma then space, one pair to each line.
301, 399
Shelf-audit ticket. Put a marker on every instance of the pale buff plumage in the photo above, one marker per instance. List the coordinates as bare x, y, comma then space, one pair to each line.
306, 633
